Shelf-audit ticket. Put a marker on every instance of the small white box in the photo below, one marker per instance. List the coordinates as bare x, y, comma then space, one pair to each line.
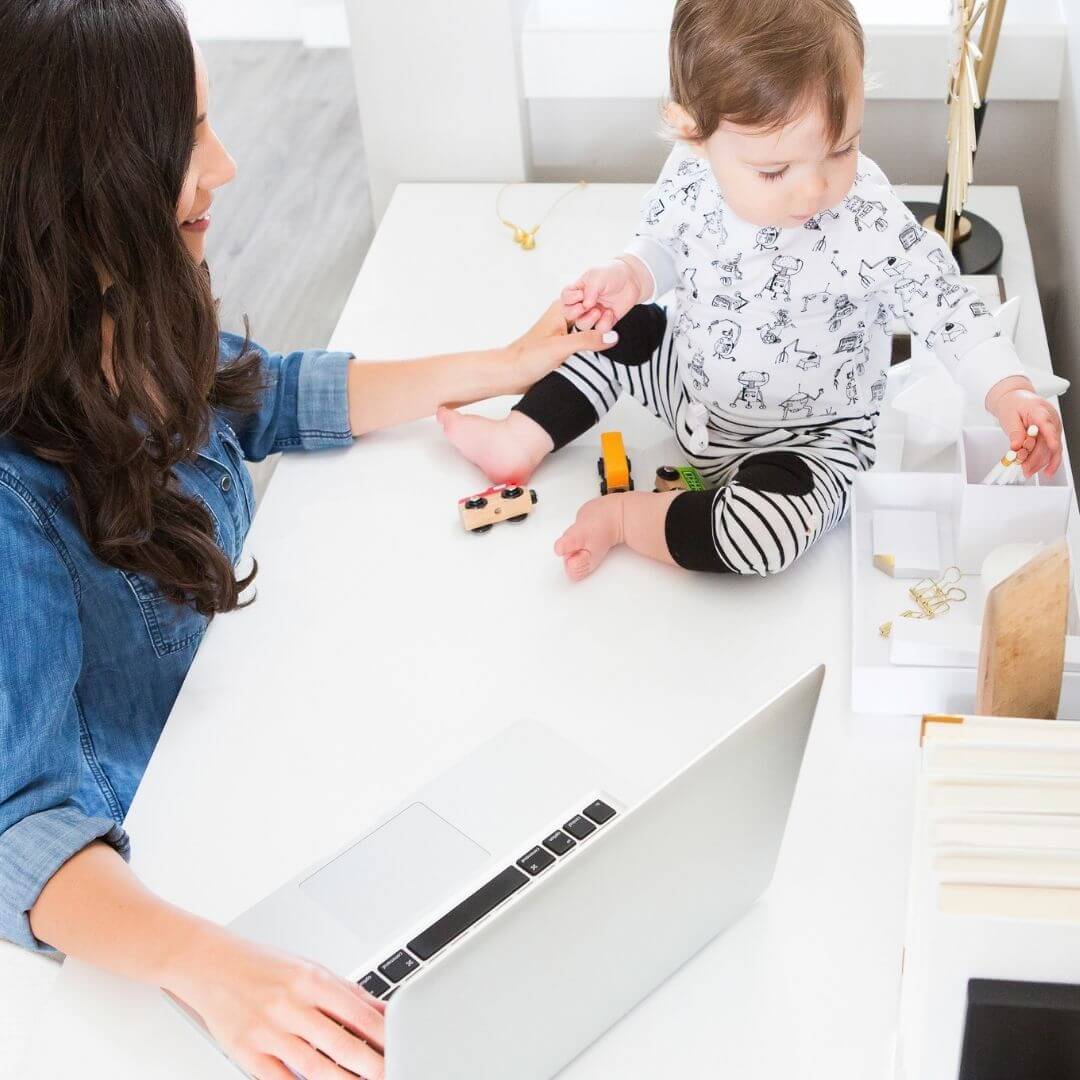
906, 543
992, 515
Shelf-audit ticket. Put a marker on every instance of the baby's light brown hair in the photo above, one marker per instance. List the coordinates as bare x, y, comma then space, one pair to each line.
762, 63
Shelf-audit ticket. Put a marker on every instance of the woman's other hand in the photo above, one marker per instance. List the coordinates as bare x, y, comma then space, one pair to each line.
271, 1012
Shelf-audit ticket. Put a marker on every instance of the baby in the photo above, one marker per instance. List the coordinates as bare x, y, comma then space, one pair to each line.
787, 256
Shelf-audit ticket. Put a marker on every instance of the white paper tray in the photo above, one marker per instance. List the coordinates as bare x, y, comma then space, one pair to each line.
878, 685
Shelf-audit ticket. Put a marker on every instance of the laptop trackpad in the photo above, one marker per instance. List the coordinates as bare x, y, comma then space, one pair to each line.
412, 864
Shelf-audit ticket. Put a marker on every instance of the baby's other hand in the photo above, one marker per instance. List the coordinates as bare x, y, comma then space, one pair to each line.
597, 529
1018, 411
603, 295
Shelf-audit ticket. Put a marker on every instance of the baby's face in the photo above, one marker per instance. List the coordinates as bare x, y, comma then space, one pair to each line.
784, 177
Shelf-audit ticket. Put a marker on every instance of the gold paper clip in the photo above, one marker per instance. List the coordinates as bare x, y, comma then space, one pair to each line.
935, 598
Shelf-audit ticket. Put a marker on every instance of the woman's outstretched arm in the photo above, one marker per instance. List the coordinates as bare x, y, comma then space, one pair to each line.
383, 393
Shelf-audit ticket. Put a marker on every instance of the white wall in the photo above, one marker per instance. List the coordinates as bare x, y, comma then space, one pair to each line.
318, 23
1061, 287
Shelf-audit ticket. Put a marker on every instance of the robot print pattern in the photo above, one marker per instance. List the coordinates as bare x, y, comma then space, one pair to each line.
782, 322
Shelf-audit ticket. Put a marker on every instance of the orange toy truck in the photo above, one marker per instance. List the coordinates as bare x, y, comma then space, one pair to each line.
613, 464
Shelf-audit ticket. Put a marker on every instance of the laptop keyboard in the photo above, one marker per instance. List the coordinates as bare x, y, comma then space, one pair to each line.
406, 961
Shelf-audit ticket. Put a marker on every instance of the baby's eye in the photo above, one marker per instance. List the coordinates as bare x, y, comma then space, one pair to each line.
773, 175
845, 153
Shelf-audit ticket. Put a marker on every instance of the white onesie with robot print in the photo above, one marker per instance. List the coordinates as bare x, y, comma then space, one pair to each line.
793, 324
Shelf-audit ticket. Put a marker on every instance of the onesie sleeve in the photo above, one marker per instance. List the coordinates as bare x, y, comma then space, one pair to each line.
665, 217
918, 277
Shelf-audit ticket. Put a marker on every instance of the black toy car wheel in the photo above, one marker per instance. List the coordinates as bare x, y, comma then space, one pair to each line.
483, 528
666, 472
475, 504
603, 487
518, 517
513, 493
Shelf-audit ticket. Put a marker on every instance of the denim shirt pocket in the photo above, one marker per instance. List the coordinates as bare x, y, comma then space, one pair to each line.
172, 627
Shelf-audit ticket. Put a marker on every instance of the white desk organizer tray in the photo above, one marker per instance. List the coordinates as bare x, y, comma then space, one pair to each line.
992, 514
929, 665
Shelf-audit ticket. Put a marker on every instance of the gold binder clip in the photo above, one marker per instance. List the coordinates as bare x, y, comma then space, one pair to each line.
934, 598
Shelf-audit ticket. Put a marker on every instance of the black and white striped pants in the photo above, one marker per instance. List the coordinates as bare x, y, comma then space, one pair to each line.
773, 489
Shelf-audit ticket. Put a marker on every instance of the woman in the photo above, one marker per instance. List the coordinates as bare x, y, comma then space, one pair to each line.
124, 502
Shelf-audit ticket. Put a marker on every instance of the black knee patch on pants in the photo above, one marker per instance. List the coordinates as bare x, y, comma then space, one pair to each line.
640, 332
776, 472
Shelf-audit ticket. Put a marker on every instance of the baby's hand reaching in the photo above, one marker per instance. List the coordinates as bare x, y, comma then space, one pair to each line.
1020, 410
604, 294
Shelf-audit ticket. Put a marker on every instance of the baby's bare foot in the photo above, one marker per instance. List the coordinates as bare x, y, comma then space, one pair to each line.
508, 450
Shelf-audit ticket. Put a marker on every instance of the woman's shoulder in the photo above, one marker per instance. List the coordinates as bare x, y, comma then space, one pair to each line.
30, 488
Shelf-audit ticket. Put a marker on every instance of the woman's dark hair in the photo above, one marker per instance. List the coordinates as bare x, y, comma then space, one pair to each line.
98, 108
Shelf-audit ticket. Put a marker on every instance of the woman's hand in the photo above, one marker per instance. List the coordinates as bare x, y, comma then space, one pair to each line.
548, 343
271, 1012
1017, 407
603, 295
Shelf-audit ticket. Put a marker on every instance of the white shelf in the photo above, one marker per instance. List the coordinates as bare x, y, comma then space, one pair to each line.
618, 49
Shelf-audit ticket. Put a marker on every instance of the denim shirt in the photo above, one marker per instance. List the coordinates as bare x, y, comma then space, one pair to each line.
91, 657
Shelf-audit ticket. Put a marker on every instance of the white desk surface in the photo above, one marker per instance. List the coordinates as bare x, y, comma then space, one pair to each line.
385, 639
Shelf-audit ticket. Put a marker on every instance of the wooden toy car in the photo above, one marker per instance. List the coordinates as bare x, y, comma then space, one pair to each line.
613, 464
678, 478
499, 503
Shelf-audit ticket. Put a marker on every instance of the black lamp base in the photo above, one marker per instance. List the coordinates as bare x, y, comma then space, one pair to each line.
980, 253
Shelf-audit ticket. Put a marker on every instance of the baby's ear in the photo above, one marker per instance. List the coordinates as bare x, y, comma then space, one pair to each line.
681, 123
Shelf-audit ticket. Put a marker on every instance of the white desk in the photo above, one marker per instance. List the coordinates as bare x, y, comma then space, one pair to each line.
384, 638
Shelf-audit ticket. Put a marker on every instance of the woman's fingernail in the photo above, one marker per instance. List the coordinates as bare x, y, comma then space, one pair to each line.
610, 337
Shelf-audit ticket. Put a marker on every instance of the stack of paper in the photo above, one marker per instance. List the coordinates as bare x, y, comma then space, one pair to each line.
995, 875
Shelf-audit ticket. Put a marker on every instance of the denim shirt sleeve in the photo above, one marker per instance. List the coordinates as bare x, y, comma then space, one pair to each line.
40, 750
305, 405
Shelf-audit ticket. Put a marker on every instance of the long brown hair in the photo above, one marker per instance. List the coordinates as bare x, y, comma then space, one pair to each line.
98, 107
757, 63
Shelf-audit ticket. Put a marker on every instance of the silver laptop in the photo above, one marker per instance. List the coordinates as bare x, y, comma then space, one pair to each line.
522, 872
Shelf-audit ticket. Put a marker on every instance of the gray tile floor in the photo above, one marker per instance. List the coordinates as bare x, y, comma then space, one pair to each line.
289, 234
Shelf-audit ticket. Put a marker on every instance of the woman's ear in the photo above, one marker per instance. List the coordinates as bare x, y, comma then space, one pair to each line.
681, 123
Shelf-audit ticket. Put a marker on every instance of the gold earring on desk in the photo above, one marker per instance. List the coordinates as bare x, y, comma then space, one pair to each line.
526, 238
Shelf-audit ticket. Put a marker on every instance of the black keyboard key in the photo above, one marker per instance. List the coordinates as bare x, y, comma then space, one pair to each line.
536, 861
559, 842
398, 966
375, 986
471, 910
599, 812
579, 827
